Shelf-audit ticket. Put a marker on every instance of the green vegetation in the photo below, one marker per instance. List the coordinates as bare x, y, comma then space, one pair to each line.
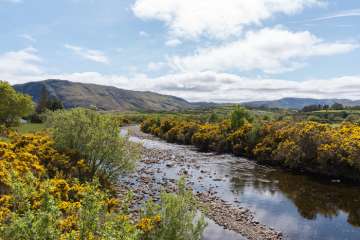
95, 138
179, 212
48, 103
239, 117
13, 105
60, 185
103, 97
30, 127
303, 145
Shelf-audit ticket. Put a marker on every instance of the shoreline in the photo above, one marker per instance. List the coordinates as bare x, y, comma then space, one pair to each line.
147, 183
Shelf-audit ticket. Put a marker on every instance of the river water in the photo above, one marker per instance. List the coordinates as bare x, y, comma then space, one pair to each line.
300, 206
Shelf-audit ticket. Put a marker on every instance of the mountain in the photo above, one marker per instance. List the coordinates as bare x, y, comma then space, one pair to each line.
299, 103
74, 94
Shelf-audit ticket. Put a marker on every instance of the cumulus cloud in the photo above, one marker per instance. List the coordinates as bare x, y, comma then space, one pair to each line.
272, 50
156, 66
173, 42
89, 54
222, 87
25, 62
26, 65
190, 19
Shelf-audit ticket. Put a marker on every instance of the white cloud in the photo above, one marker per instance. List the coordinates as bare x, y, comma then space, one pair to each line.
271, 50
156, 66
173, 42
26, 65
222, 87
28, 37
190, 19
89, 54
348, 13
20, 63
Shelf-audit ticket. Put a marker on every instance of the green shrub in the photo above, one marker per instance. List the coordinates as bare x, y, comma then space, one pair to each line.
13, 105
300, 145
239, 117
178, 214
26, 222
95, 138
92, 220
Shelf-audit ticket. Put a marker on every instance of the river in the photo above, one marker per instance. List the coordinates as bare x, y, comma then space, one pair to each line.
300, 206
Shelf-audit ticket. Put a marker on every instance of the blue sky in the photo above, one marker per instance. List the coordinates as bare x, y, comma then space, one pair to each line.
204, 50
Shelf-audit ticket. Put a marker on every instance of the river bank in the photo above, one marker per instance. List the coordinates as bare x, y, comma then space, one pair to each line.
159, 169
300, 206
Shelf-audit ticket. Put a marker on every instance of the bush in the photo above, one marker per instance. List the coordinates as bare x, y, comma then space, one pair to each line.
307, 145
35, 204
149, 124
95, 138
239, 117
13, 105
206, 137
176, 217
244, 139
50, 217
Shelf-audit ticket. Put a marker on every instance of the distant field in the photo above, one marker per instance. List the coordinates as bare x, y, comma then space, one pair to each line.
338, 111
30, 127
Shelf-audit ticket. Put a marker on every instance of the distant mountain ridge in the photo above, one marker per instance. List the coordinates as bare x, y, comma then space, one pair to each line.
299, 103
74, 94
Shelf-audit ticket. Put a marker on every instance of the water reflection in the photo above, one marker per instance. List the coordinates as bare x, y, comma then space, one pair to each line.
302, 207
311, 196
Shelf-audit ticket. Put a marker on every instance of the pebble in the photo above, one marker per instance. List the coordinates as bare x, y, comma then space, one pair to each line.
145, 182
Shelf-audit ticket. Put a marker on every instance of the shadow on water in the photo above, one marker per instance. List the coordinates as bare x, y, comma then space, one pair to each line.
301, 206
310, 195
324, 209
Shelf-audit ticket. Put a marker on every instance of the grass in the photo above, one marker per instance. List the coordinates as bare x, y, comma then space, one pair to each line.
4, 139
30, 127
26, 128
338, 111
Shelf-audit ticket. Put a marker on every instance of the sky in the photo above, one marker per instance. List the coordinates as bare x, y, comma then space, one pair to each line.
203, 50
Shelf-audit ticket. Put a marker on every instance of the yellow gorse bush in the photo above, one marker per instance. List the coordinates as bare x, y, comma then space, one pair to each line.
332, 150
39, 199
148, 224
33, 154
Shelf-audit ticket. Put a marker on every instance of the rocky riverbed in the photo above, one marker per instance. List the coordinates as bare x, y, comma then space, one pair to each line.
162, 165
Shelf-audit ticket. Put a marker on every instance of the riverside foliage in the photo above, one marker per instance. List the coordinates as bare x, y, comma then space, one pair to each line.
60, 184
13, 105
41, 197
319, 148
94, 138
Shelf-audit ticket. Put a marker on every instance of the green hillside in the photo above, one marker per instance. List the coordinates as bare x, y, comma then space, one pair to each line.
102, 97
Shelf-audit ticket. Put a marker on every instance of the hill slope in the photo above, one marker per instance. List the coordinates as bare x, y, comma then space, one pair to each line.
299, 103
103, 97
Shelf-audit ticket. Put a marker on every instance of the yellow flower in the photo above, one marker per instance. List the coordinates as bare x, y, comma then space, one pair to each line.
145, 224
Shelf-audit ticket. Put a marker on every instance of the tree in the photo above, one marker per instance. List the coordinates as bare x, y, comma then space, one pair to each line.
239, 117
54, 104
213, 118
312, 108
44, 98
337, 106
13, 105
95, 138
